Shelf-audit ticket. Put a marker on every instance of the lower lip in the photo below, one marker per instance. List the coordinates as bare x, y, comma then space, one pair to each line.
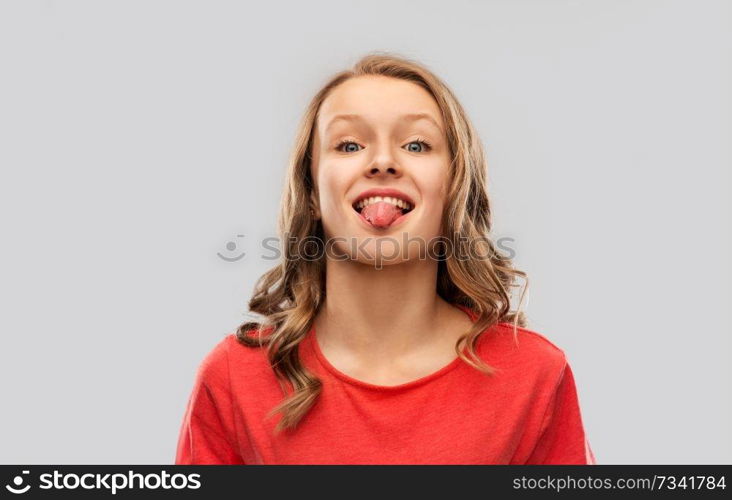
397, 222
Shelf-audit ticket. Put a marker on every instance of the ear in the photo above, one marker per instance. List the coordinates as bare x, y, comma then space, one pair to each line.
314, 206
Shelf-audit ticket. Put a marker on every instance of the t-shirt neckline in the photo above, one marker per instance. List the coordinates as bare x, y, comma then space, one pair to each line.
315, 347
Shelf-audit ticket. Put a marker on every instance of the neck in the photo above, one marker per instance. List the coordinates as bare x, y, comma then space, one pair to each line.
385, 312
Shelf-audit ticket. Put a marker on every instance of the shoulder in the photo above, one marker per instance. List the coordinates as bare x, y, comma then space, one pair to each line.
506, 342
214, 367
522, 351
228, 358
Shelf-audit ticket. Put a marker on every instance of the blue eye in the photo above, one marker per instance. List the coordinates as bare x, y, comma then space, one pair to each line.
424, 144
346, 142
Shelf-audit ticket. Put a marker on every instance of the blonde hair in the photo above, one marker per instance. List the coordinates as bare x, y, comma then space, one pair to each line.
288, 296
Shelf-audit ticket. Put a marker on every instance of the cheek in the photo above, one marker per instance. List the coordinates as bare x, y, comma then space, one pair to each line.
333, 188
433, 185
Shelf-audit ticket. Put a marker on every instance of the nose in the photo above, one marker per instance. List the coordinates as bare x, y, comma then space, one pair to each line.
383, 165
376, 171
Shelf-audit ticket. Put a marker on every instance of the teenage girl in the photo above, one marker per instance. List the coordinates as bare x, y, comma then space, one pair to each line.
386, 335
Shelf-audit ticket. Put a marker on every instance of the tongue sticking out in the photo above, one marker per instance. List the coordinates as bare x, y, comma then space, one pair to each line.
381, 214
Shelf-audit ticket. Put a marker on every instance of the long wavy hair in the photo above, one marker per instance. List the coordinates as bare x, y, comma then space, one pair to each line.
288, 296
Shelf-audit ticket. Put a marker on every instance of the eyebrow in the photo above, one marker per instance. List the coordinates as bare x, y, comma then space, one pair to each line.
407, 117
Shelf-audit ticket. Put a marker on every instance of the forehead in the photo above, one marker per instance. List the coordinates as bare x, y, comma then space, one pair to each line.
378, 98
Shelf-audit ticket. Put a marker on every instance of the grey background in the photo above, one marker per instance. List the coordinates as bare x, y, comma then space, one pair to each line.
137, 138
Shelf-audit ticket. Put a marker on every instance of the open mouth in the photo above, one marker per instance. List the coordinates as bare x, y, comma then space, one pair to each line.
382, 211
402, 205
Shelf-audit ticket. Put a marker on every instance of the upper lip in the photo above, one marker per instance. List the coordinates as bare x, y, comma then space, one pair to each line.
394, 193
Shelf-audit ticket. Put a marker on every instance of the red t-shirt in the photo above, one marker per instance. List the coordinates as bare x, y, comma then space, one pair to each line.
526, 413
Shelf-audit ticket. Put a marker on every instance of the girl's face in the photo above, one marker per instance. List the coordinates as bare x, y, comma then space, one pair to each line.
377, 132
